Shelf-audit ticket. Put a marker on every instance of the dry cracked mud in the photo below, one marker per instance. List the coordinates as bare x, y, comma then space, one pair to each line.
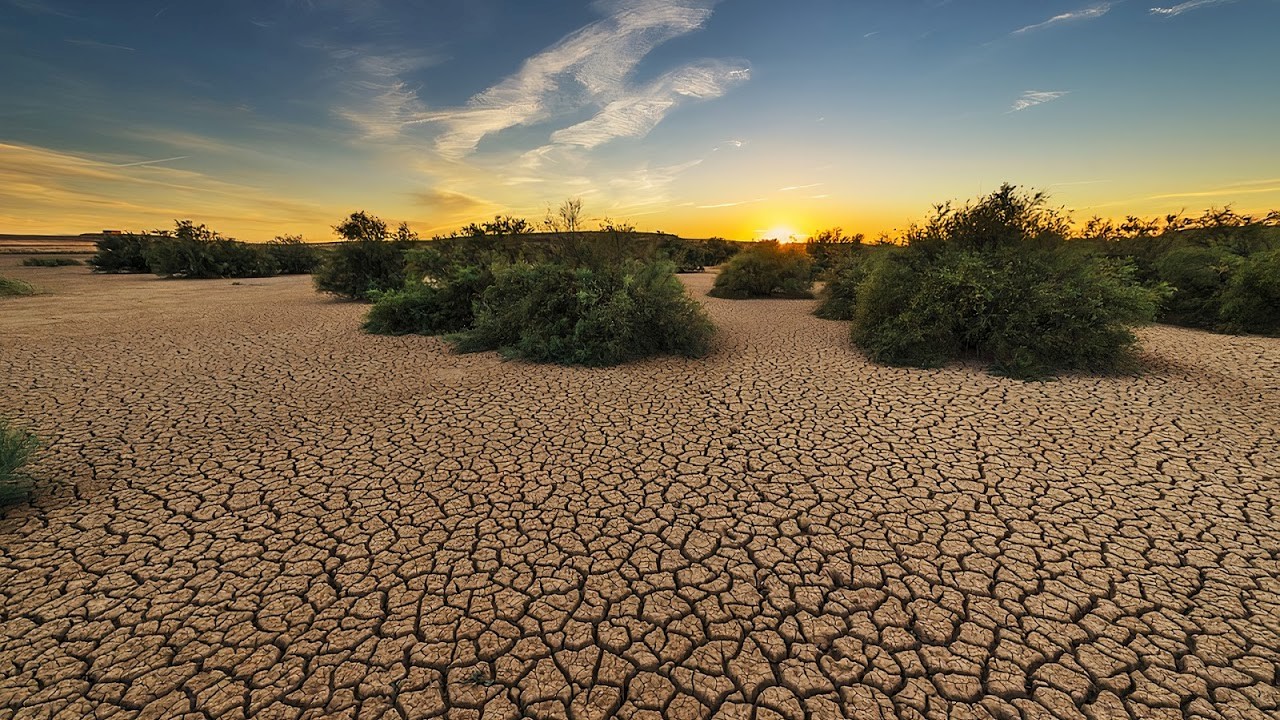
250, 509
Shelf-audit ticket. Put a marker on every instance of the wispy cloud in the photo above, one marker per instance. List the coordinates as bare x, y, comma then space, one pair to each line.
591, 69
1248, 187
1089, 13
151, 162
730, 204
37, 184
792, 188
1032, 98
99, 45
1187, 6
41, 7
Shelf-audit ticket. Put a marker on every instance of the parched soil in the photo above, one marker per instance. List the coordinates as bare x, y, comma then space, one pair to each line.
248, 508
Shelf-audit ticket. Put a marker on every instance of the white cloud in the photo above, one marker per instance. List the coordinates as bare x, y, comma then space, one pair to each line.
592, 68
1089, 13
1187, 6
1031, 98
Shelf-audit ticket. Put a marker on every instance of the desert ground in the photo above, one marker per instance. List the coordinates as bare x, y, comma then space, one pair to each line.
248, 508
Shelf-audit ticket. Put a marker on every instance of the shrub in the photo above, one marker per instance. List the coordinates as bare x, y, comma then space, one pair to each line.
291, 255
11, 287
604, 315
196, 252
1198, 276
121, 254
766, 269
839, 296
367, 263
16, 447
995, 281
1251, 301
444, 306
50, 262
830, 248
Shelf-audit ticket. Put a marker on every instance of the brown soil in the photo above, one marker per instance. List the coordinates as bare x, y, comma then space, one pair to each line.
249, 508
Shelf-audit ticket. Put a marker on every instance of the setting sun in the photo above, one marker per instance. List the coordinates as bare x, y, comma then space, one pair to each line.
782, 233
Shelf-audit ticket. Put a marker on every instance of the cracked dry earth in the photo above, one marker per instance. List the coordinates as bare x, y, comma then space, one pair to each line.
251, 509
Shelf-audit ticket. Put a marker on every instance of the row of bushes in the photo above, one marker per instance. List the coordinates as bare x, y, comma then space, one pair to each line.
995, 280
196, 251
568, 299
1227, 281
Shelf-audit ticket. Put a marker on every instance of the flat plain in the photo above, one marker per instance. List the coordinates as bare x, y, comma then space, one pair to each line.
249, 508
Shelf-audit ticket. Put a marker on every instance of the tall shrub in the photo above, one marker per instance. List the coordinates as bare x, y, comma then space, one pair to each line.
603, 315
121, 254
292, 255
766, 269
197, 252
367, 262
995, 280
1251, 300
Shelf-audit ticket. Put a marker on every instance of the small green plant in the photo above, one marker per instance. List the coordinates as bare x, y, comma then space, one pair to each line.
12, 287
1251, 300
51, 262
16, 447
368, 262
602, 315
122, 254
766, 269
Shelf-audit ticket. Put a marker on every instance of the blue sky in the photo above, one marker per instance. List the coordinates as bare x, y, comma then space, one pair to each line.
738, 118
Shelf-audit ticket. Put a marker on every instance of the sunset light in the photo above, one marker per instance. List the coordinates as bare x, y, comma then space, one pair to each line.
697, 117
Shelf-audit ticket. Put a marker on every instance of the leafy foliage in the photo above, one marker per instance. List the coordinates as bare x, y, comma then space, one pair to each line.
840, 294
830, 248
197, 252
603, 315
51, 262
1197, 276
16, 447
766, 269
121, 254
443, 306
292, 255
12, 287
370, 261
1251, 300
995, 280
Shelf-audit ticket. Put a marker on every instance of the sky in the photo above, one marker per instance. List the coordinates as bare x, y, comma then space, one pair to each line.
733, 118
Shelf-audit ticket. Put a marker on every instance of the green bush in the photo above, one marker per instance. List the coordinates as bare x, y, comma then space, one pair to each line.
1197, 276
766, 269
995, 281
444, 306
121, 254
50, 262
1251, 301
16, 447
11, 287
839, 296
370, 261
292, 255
196, 252
603, 315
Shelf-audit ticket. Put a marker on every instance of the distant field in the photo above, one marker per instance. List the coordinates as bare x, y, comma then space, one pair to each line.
52, 244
